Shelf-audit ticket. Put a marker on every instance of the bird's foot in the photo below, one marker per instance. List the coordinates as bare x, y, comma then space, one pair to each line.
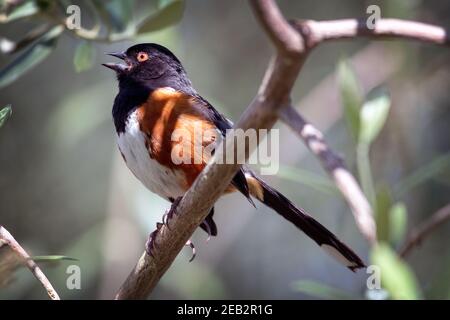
171, 212
150, 245
189, 243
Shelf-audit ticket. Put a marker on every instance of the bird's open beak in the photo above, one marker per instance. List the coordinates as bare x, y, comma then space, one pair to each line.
118, 67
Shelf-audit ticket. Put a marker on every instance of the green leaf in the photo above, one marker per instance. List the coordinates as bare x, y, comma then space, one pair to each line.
169, 13
373, 116
53, 258
30, 58
383, 206
119, 13
26, 9
402, 9
419, 176
319, 290
307, 178
365, 173
398, 218
5, 113
351, 96
396, 275
84, 56
74, 119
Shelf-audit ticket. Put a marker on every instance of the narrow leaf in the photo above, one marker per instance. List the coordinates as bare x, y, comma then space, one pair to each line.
365, 173
168, 14
119, 13
319, 290
5, 113
427, 171
30, 58
26, 9
383, 206
373, 117
84, 56
307, 178
398, 218
52, 258
351, 96
396, 276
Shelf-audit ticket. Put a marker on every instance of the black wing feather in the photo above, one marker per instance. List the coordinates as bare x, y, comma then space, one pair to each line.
222, 123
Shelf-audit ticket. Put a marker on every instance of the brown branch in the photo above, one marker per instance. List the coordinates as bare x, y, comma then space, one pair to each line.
420, 233
283, 36
335, 167
263, 112
317, 32
8, 239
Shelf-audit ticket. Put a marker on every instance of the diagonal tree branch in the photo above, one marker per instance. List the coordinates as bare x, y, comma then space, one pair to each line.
335, 167
420, 233
7, 239
292, 51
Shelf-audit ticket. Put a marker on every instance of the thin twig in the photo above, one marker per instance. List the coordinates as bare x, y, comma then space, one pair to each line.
420, 233
9, 47
317, 32
8, 239
335, 167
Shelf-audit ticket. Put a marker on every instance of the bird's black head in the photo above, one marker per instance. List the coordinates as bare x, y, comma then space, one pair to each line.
152, 66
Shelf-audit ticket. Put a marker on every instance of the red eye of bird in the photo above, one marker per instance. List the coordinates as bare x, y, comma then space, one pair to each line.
142, 56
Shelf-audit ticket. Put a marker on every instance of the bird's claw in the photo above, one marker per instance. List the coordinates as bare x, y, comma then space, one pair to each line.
208, 230
151, 242
171, 212
189, 243
150, 245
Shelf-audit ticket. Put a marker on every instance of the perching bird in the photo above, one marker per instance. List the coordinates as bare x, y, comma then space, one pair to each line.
155, 98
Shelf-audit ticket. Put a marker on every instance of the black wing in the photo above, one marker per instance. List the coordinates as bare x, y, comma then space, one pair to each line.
222, 123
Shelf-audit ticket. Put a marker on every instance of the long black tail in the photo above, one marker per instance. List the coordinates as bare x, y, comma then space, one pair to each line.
324, 238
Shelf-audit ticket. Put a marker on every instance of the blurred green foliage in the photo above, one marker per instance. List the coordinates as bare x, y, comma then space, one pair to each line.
307, 178
398, 215
84, 56
319, 290
27, 9
30, 57
5, 113
169, 12
365, 119
115, 21
436, 167
396, 276
351, 97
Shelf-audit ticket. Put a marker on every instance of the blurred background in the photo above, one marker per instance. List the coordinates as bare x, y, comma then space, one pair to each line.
64, 190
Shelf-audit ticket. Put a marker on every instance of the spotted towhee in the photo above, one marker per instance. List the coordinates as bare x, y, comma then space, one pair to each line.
155, 98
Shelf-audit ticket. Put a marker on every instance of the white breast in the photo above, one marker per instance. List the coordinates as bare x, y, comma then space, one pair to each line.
157, 178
